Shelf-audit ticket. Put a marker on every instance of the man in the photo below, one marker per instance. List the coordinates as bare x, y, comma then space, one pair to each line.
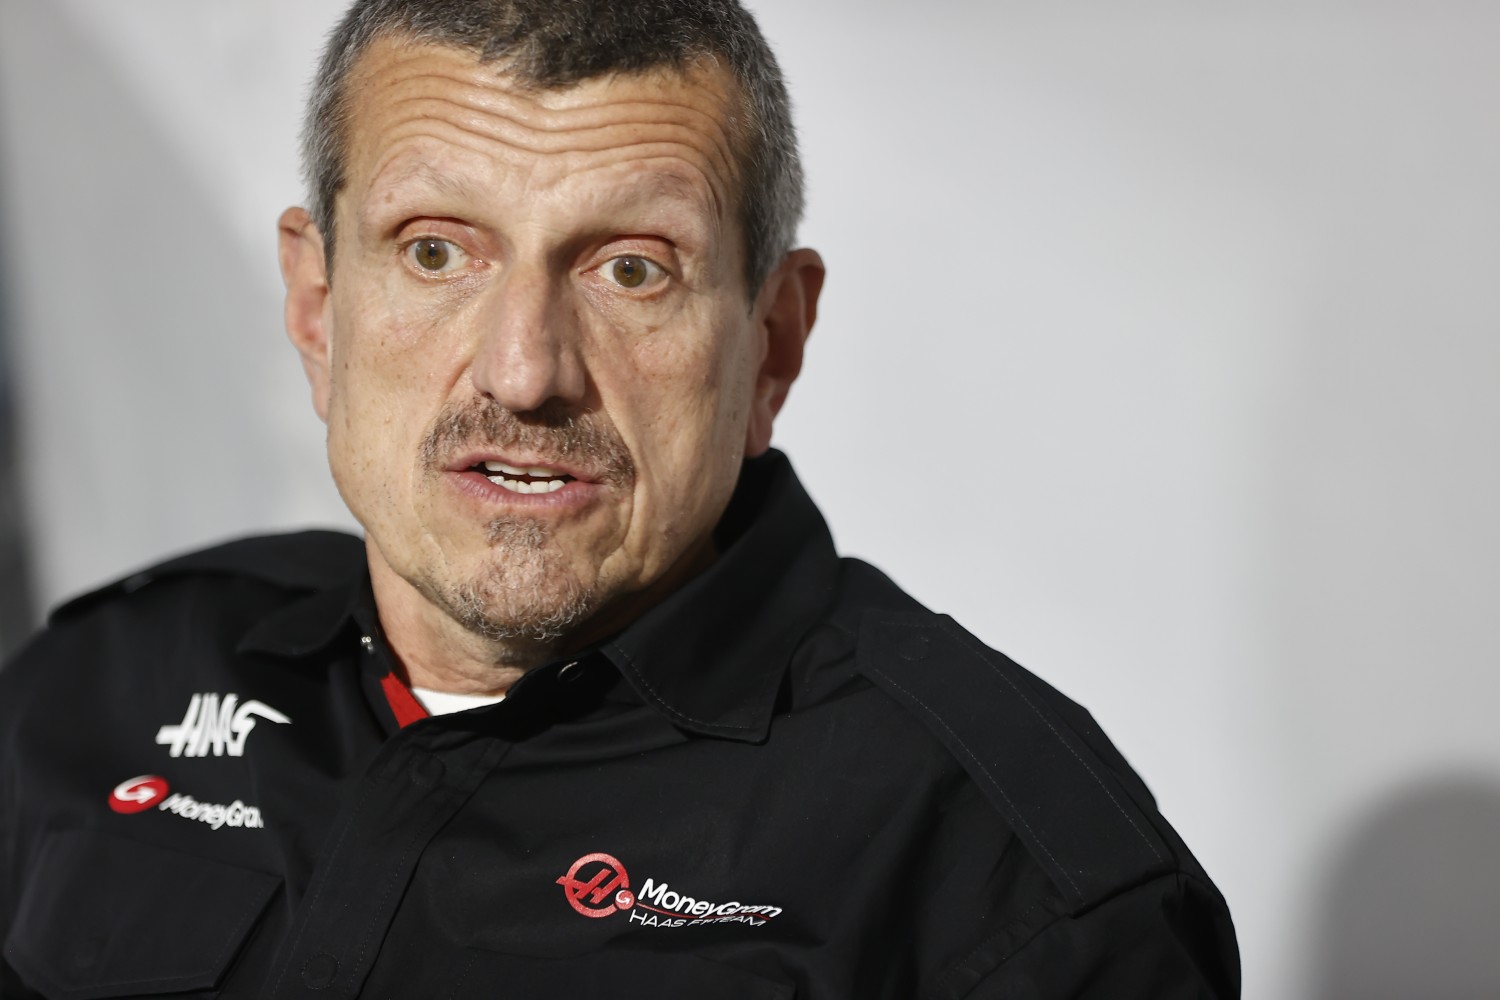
595, 708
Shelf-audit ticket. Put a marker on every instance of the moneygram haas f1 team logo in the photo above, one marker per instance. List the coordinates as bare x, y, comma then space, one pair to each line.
597, 886
593, 879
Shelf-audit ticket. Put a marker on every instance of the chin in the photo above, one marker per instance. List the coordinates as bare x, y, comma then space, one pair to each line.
538, 618
525, 591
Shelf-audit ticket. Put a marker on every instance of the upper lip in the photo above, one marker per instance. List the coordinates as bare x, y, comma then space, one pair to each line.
520, 461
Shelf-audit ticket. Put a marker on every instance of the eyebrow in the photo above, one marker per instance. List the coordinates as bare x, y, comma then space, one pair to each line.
663, 185
665, 189
420, 172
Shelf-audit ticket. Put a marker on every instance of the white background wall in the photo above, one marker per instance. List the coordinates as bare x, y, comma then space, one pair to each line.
1159, 347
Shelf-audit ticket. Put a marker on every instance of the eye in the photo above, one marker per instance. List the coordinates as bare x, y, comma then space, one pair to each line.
632, 271
435, 256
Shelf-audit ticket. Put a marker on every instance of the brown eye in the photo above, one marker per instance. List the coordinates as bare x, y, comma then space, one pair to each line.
629, 271
430, 255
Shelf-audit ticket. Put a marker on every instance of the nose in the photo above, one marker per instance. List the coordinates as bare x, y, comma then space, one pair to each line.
528, 343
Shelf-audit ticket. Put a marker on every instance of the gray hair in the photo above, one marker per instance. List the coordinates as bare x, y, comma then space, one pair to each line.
549, 44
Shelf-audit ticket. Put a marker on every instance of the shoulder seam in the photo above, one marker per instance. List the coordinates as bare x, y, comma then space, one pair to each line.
945, 982
225, 559
999, 790
982, 652
992, 717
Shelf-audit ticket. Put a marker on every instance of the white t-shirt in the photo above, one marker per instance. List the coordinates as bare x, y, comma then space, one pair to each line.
446, 702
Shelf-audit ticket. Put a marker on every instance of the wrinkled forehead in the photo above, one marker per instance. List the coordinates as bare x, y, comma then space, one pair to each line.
408, 98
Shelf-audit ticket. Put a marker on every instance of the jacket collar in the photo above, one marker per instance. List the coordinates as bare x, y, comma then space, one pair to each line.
711, 656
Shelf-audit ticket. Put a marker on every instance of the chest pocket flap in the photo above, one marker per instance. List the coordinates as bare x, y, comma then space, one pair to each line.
106, 917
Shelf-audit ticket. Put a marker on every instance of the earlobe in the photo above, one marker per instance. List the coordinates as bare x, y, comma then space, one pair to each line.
307, 322
786, 310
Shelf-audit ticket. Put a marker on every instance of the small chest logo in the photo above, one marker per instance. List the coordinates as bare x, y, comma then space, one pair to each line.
216, 725
597, 885
593, 879
138, 794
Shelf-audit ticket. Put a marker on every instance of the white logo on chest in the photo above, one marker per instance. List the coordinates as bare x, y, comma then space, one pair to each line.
215, 725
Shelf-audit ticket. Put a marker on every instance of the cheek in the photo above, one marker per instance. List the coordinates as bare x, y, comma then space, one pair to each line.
679, 389
689, 405
385, 389
392, 356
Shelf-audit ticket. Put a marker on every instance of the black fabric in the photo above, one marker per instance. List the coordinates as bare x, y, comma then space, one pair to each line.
1072, 814
756, 790
105, 917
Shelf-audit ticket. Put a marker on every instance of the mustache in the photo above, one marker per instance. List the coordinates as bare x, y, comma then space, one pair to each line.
582, 438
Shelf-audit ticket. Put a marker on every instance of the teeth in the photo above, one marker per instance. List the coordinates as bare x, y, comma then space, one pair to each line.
535, 471
521, 486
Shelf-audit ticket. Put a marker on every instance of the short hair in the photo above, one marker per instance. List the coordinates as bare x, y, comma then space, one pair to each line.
549, 44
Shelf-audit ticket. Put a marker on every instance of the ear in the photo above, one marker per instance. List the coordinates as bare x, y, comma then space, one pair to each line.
784, 312
307, 318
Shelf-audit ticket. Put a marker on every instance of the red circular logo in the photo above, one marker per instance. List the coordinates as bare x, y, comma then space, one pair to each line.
138, 794
593, 879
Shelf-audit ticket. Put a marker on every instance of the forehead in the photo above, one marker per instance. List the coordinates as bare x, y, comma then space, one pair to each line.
416, 108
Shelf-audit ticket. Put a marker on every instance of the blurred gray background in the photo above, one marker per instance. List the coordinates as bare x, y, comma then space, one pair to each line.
1161, 347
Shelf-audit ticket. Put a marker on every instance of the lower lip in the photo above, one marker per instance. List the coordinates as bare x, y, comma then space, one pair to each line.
574, 493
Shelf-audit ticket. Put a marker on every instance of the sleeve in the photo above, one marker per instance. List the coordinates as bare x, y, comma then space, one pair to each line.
15, 681
1167, 939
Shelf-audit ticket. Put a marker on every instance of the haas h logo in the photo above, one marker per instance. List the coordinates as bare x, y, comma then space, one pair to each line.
215, 725
593, 879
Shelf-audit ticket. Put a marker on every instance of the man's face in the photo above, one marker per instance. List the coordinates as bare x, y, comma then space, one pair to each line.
537, 358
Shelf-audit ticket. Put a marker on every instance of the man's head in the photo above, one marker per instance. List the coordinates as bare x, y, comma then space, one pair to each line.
560, 311
547, 45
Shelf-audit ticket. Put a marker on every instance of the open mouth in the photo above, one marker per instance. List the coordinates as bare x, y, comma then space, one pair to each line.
519, 479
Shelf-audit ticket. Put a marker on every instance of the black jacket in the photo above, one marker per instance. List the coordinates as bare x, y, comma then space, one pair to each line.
786, 780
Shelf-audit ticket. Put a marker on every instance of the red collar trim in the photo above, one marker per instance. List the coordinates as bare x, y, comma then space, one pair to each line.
404, 704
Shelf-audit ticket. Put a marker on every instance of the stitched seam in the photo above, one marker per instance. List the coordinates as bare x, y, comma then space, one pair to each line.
312, 904
980, 650
418, 844
251, 909
390, 884
173, 983
989, 777
463, 977
943, 984
660, 702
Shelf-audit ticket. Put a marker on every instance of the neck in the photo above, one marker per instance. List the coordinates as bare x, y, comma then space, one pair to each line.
440, 654
437, 652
